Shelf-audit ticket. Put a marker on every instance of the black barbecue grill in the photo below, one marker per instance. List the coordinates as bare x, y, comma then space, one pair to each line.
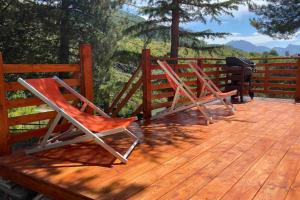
239, 75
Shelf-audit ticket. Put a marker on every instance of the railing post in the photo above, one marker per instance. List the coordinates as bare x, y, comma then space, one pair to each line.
86, 65
4, 128
199, 85
297, 95
266, 79
146, 65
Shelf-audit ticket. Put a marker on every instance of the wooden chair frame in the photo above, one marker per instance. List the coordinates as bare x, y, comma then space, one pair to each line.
50, 141
209, 85
182, 87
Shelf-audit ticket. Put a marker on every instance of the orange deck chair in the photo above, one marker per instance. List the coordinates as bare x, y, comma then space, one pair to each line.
181, 89
84, 126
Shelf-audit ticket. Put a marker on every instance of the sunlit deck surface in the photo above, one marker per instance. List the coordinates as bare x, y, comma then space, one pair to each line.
254, 154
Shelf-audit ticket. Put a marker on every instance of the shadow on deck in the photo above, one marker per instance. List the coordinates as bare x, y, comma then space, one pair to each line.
253, 154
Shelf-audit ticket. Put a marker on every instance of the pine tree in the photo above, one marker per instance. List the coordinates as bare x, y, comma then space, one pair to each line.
47, 31
279, 19
165, 18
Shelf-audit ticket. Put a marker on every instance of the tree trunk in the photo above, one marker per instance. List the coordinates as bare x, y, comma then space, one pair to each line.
64, 47
175, 29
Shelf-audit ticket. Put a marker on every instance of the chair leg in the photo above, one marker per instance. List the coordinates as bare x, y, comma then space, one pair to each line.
96, 138
111, 150
206, 116
130, 134
229, 106
51, 129
136, 141
57, 144
175, 100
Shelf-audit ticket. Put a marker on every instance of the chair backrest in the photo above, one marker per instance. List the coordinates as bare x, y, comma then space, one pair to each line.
175, 81
48, 87
204, 79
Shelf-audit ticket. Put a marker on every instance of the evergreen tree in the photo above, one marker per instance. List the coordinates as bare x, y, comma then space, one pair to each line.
273, 52
47, 31
165, 18
277, 18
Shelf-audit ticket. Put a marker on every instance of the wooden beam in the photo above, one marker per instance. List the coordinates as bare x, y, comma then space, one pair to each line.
146, 65
138, 110
24, 119
297, 95
86, 64
28, 68
131, 92
4, 129
36, 133
15, 86
118, 97
33, 101
199, 85
266, 79
39, 185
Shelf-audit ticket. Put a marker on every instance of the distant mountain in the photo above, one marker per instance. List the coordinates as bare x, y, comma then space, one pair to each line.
123, 17
291, 49
247, 46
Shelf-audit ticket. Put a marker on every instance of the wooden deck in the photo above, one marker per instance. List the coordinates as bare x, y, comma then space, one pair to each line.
254, 154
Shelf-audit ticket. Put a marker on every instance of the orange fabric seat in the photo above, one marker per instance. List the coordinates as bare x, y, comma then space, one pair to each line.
49, 88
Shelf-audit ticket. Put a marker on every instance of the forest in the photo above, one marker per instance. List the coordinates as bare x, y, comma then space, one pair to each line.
50, 31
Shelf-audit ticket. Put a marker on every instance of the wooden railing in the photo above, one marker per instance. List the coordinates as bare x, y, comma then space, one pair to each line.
80, 76
126, 93
274, 76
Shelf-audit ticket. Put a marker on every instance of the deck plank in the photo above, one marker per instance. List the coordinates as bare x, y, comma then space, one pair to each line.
251, 182
165, 174
252, 154
280, 181
186, 180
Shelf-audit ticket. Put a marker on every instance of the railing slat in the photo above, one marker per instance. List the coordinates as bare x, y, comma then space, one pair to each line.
29, 68
24, 119
14, 86
33, 101
282, 78
130, 81
135, 87
279, 85
167, 85
169, 103
168, 94
35, 133
138, 110
276, 64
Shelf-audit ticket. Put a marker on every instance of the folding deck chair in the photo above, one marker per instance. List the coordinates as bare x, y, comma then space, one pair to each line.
182, 89
84, 126
209, 87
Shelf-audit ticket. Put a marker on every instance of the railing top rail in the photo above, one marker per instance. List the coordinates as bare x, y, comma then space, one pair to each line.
271, 58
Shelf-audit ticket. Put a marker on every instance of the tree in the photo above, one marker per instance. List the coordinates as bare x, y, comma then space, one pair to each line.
165, 17
273, 52
279, 19
47, 31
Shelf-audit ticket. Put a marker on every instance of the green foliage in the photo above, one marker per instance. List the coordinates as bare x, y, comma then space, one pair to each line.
46, 31
160, 49
277, 18
165, 17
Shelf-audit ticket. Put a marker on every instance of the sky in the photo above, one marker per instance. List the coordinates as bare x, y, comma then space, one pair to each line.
239, 27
